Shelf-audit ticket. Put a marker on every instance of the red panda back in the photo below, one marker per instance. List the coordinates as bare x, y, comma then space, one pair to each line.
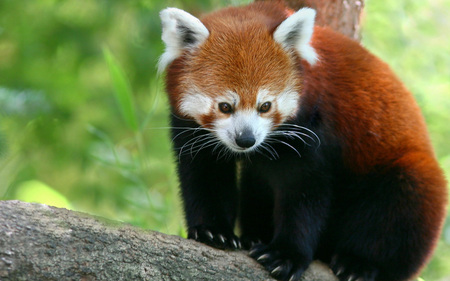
374, 117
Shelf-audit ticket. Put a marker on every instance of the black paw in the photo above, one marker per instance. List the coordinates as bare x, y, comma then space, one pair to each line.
349, 268
249, 241
280, 265
213, 237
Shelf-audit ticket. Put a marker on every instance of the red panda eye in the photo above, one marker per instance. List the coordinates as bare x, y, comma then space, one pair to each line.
225, 107
265, 107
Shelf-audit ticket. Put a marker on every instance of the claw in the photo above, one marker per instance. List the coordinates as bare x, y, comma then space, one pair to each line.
277, 270
340, 271
221, 238
195, 235
263, 257
234, 243
253, 252
209, 234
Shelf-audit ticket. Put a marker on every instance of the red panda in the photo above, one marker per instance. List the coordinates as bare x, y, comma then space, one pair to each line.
304, 137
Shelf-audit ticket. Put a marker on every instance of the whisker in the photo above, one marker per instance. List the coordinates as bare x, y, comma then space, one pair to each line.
192, 142
216, 146
293, 135
298, 127
188, 129
206, 137
303, 134
261, 149
180, 118
182, 132
220, 152
206, 145
267, 147
194, 139
274, 151
293, 148
285, 143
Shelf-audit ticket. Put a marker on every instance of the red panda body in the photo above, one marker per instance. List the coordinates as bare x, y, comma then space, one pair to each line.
335, 159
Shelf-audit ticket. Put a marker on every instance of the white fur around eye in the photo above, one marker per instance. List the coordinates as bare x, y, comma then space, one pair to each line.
229, 97
288, 103
195, 105
264, 95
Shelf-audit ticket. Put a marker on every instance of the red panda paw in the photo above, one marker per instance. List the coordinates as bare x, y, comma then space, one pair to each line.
249, 241
349, 268
280, 266
214, 237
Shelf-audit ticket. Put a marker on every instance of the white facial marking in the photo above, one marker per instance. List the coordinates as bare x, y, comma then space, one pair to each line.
229, 128
287, 103
241, 121
295, 33
180, 31
229, 97
264, 95
195, 104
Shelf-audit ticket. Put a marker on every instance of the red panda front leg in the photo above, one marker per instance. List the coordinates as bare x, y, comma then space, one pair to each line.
208, 188
301, 209
256, 208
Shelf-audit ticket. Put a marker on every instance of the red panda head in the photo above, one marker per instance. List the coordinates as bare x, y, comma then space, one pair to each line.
236, 72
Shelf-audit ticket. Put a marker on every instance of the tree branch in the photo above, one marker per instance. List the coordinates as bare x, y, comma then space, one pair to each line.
38, 242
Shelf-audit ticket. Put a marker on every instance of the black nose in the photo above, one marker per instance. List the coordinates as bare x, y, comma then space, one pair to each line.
245, 139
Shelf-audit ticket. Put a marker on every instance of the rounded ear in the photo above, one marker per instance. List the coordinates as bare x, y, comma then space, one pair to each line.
180, 31
296, 31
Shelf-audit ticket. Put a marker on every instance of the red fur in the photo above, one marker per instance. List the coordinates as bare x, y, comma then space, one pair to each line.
271, 67
356, 90
375, 119
359, 89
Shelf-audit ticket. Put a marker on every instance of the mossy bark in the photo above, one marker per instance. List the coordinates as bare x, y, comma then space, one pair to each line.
38, 242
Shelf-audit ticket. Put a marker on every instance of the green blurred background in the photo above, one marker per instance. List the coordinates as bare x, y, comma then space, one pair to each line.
83, 116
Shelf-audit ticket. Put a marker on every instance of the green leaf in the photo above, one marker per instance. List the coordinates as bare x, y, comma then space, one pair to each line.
122, 90
39, 192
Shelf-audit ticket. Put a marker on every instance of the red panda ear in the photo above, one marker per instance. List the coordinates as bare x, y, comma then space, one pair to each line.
180, 31
295, 33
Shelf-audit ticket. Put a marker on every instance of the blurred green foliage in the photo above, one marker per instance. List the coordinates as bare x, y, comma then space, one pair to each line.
84, 117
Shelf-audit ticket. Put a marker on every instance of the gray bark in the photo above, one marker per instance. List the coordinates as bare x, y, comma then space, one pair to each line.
38, 242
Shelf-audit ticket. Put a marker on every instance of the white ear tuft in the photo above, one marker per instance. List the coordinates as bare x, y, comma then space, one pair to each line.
180, 31
296, 31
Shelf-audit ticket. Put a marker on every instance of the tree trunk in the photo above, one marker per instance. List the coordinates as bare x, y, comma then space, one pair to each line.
38, 242
340, 15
